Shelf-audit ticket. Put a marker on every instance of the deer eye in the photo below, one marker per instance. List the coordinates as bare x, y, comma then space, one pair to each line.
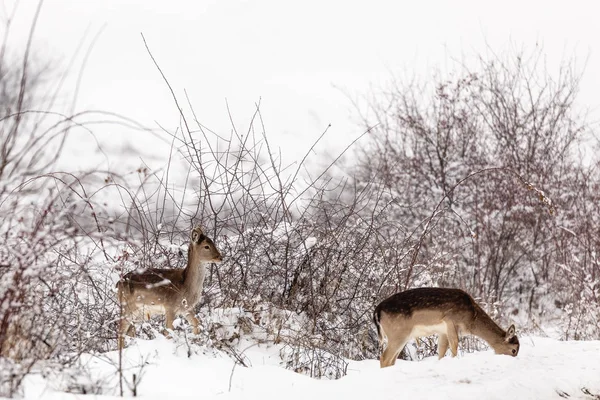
206, 247
514, 351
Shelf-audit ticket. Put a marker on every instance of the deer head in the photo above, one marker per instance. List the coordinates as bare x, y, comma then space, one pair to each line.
202, 248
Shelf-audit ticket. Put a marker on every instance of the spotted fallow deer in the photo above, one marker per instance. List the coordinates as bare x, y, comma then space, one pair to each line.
446, 312
170, 292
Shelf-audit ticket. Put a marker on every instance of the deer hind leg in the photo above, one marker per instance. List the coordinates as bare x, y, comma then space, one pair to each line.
125, 328
395, 345
191, 318
169, 317
452, 333
442, 345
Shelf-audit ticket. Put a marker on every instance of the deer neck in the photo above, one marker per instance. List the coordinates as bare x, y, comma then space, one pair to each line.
193, 277
485, 328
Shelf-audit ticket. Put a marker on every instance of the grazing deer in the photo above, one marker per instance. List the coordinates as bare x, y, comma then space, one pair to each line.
446, 312
166, 291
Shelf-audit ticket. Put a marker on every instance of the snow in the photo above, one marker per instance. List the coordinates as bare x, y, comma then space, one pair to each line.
310, 242
544, 369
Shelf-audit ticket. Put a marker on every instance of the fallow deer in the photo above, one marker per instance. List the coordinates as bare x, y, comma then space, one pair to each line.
166, 291
446, 312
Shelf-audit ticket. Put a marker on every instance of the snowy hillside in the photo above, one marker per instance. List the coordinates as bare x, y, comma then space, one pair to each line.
291, 199
544, 369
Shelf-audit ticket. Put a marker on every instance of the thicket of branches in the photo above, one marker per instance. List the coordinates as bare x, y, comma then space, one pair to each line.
472, 181
537, 261
56, 288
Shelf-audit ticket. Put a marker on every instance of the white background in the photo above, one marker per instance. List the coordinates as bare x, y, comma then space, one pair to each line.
303, 59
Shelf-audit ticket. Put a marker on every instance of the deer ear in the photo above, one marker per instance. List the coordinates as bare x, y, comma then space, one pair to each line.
196, 233
510, 332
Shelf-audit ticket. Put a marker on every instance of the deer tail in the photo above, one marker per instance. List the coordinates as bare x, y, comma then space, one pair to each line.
380, 332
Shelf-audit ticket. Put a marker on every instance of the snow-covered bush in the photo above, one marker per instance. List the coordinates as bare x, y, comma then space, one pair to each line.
441, 197
496, 151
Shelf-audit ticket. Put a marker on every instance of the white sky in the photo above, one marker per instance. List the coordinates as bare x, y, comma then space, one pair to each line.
293, 55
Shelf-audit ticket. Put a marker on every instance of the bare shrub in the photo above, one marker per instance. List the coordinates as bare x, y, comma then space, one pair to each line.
489, 236
447, 193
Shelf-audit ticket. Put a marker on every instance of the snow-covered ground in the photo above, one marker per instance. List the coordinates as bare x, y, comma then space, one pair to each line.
544, 369
297, 107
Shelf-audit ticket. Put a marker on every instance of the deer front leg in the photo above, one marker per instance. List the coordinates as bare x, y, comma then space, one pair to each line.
170, 317
191, 318
442, 345
452, 333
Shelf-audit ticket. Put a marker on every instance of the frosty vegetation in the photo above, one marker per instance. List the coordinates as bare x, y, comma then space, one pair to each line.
474, 180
